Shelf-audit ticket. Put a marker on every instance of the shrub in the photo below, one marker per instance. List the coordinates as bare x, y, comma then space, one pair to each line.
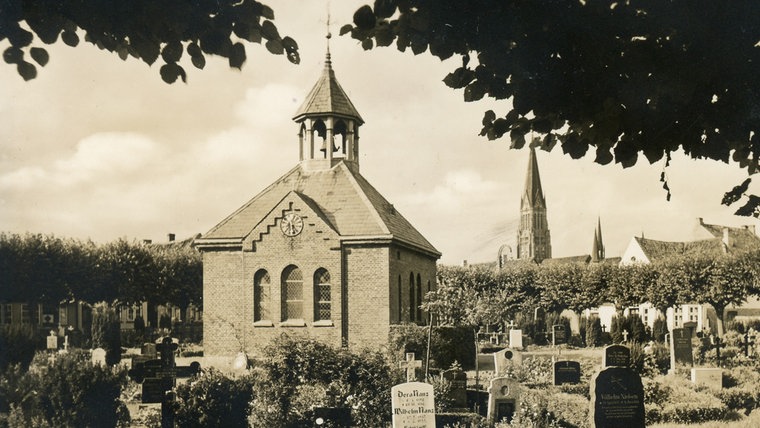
18, 343
296, 375
447, 344
106, 332
738, 399
659, 329
66, 390
679, 401
214, 400
594, 332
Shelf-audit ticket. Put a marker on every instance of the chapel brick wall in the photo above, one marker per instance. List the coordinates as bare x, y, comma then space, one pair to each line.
404, 262
222, 308
368, 300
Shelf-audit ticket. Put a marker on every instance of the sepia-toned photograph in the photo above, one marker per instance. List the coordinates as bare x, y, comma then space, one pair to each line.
381, 214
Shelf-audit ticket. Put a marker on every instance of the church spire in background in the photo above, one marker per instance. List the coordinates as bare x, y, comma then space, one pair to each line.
597, 248
533, 237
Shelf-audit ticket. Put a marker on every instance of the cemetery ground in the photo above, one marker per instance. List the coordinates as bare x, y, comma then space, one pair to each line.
296, 379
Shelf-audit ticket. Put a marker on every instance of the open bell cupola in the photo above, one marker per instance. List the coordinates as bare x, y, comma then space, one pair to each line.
328, 124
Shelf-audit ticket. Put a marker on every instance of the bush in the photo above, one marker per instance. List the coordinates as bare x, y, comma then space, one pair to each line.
66, 391
677, 400
447, 344
18, 343
659, 329
214, 400
594, 332
106, 332
295, 375
739, 399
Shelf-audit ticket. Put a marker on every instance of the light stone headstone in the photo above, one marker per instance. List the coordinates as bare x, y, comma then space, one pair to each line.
709, 376
503, 399
99, 356
506, 358
413, 405
515, 339
52, 340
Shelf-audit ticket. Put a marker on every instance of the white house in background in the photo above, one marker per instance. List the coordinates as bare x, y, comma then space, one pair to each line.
715, 240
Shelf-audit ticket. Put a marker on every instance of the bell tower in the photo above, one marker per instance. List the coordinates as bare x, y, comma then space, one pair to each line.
533, 237
328, 124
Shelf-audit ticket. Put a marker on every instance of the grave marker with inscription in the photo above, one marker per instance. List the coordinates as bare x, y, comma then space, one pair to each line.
413, 405
616, 356
680, 349
99, 356
458, 380
567, 372
617, 399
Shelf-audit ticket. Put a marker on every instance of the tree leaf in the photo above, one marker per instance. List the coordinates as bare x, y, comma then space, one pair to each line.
367, 44
13, 55
170, 72
39, 55
275, 47
70, 38
27, 70
364, 18
736, 193
269, 31
172, 52
237, 56
385, 8
474, 91
346, 29
751, 208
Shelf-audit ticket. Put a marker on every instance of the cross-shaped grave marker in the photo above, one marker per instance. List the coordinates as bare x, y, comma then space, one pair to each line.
158, 377
411, 365
716, 343
747, 343
625, 335
511, 325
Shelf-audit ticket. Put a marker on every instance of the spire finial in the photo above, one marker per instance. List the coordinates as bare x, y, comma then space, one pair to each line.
328, 36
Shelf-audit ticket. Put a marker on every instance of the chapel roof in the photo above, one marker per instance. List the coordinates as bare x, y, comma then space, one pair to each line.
341, 197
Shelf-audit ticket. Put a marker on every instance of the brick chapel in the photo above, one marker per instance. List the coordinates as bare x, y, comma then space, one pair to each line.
319, 252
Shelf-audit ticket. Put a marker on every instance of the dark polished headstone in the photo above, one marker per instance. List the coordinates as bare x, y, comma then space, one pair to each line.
567, 372
616, 356
617, 399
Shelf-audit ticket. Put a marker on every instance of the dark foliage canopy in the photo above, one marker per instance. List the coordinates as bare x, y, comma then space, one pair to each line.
621, 78
144, 29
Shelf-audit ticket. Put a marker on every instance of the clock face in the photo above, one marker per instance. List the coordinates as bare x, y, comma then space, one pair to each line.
291, 224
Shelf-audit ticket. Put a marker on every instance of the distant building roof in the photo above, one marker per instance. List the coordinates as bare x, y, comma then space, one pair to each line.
327, 96
566, 260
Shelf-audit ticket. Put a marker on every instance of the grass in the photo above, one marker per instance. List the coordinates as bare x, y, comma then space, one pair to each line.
751, 421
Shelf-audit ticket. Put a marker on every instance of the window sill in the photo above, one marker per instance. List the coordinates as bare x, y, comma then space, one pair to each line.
323, 323
263, 323
293, 323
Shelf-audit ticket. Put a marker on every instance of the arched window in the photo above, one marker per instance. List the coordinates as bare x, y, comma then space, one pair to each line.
340, 129
292, 293
261, 293
400, 300
412, 294
322, 295
419, 299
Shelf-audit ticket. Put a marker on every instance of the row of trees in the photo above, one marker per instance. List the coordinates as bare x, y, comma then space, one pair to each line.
482, 296
47, 269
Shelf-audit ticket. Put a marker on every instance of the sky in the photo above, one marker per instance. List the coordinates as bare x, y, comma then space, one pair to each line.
98, 148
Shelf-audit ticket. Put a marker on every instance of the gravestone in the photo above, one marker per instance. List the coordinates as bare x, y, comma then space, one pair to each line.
413, 405
515, 339
52, 340
486, 362
617, 399
503, 399
99, 356
458, 380
616, 356
558, 334
410, 365
707, 376
506, 358
335, 417
680, 349
567, 372
149, 350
